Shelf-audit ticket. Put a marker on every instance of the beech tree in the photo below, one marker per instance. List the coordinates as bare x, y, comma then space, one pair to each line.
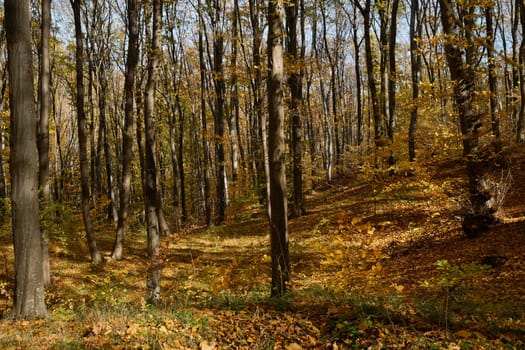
151, 194
462, 56
29, 280
276, 147
127, 133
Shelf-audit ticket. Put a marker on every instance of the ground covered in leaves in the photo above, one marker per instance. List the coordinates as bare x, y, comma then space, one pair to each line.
378, 262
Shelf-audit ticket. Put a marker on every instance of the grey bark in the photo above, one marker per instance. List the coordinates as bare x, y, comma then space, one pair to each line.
276, 147
29, 280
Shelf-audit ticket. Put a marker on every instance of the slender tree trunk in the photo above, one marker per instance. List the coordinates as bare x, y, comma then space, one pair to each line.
392, 78
220, 92
234, 110
415, 64
151, 193
520, 129
357, 64
205, 144
128, 132
258, 145
296, 106
374, 98
29, 280
3, 185
182, 174
82, 135
112, 209
278, 216
43, 132
492, 78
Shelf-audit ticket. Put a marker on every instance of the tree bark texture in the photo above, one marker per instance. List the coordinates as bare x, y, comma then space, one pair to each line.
29, 280
151, 193
276, 148
128, 131
43, 131
296, 106
462, 73
220, 99
415, 65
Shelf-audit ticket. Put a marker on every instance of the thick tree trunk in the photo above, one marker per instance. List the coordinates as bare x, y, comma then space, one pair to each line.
462, 72
29, 280
151, 193
128, 132
82, 136
276, 146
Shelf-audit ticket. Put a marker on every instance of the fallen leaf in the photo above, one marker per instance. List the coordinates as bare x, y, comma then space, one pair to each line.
294, 346
463, 334
205, 345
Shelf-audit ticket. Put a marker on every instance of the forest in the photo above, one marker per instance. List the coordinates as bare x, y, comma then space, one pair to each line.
262, 174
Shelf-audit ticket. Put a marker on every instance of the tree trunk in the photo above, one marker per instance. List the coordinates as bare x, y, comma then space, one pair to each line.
357, 64
82, 135
258, 149
218, 112
182, 174
392, 78
276, 147
43, 132
415, 64
151, 194
520, 129
374, 98
296, 106
128, 132
204, 124
492, 77
234, 110
462, 72
29, 280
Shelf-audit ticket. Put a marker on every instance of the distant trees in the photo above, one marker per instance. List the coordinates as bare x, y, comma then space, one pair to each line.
29, 276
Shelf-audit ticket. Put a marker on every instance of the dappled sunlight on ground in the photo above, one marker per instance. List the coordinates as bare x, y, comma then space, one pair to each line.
375, 263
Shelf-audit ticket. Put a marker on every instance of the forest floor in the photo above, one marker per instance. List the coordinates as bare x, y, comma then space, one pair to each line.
378, 262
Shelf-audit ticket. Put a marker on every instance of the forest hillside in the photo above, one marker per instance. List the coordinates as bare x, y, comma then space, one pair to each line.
379, 261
